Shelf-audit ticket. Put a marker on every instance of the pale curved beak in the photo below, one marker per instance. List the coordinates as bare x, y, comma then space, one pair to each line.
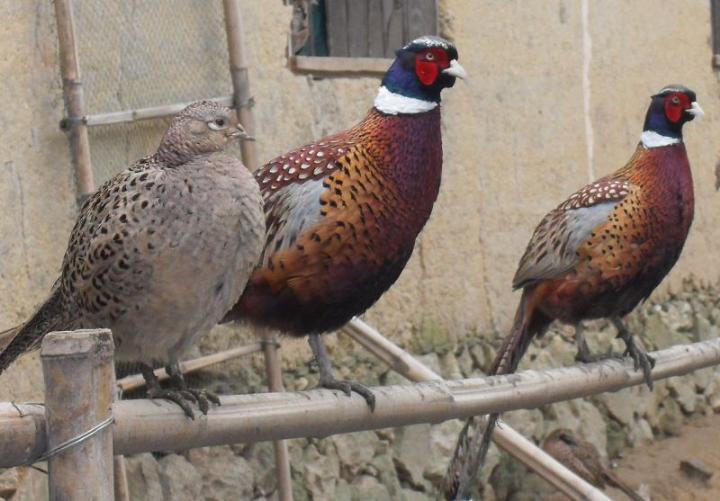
240, 133
455, 70
695, 110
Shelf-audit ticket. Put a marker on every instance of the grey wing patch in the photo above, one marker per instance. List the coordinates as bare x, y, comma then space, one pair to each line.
552, 250
290, 211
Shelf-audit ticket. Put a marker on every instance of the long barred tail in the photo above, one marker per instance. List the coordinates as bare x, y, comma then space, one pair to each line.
471, 450
614, 481
26, 337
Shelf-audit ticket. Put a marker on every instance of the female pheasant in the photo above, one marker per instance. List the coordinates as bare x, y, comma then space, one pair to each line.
343, 213
160, 252
606, 248
582, 458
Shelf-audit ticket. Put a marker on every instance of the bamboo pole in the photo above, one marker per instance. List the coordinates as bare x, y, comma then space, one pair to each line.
505, 437
74, 100
275, 384
119, 117
151, 425
240, 79
78, 372
121, 489
136, 381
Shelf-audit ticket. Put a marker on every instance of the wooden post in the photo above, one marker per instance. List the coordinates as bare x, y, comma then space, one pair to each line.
74, 100
275, 384
240, 80
78, 371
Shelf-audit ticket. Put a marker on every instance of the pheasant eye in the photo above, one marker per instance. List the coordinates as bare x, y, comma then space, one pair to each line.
675, 100
429, 56
217, 124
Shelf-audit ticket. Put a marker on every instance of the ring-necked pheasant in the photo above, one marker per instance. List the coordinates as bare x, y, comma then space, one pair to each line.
603, 250
160, 252
581, 457
343, 212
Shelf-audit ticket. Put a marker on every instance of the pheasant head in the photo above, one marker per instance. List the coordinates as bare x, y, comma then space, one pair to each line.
201, 128
421, 70
669, 110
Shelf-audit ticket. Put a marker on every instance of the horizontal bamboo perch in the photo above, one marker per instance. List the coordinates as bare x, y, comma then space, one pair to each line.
507, 438
189, 366
146, 425
118, 117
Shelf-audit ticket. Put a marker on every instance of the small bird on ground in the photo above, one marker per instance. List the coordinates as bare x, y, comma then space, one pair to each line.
584, 459
343, 213
160, 252
601, 252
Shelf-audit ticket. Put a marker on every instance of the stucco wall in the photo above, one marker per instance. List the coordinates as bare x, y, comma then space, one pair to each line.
516, 138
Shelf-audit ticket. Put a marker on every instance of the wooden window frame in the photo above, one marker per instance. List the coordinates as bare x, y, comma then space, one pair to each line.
347, 65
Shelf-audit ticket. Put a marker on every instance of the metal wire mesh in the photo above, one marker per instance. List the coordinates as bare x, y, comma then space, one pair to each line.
144, 53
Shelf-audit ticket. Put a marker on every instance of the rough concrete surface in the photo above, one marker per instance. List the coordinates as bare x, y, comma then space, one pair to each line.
557, 94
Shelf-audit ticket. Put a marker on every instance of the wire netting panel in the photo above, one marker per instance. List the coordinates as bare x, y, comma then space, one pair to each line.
144, 53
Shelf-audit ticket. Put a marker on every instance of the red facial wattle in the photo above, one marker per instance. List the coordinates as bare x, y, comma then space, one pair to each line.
675, 105
429, 63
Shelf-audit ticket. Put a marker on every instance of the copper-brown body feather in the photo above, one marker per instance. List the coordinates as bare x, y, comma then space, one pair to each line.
375, 188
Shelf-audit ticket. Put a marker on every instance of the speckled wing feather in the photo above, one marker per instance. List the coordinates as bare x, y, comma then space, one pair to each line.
291, 185
553, 248
336, 202
100, 270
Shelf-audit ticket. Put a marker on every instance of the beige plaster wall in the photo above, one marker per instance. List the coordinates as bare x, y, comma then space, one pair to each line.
516, 138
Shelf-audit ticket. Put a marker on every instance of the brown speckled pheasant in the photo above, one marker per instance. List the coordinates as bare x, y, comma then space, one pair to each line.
583, 458
343, 213
603, 250
160, 252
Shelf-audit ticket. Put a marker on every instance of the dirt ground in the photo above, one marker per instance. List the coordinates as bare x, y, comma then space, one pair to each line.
657, 465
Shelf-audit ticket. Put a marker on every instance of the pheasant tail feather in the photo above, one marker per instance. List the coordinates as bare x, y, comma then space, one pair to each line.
49, 317
470, 453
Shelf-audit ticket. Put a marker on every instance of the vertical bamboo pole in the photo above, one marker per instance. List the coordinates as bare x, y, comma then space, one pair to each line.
274, 377
122, 491
243, 105
240, 79
78, 371
121, 488
74, 100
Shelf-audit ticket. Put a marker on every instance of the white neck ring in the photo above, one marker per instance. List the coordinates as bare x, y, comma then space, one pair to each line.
391, 103
651, 139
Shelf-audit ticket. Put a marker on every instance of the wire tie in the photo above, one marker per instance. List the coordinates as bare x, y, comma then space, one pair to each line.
74, 441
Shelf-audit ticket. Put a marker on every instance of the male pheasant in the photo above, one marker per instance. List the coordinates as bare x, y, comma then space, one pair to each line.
604, 249
160, 252
581, 457
343, 213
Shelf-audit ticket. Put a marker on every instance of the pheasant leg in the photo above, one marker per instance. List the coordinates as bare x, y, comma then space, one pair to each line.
584, 355
641, 359
156, 391
202, 397
327, 379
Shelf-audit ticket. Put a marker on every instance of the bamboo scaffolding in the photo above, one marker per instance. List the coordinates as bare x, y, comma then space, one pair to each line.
153, 112
241, 82
136, 381
505, 437
74, 99
274, 377
78, 372
152, 425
